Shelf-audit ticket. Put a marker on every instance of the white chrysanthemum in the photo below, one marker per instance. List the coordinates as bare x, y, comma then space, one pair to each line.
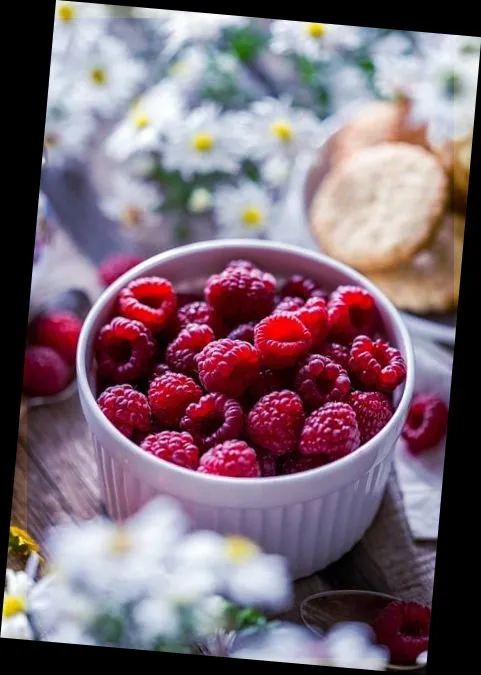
348, 86
77, 22
20, 597
155, 617
67, 13
184, 27
393, 44
276, 170
242, 211
351, 645
67, 135
187, 71
70, 633
394, 75
205, 142
283, 642
131, 202
314, 41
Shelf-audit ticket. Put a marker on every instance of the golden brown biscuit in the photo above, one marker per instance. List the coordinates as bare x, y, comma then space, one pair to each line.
375, 210
459, 222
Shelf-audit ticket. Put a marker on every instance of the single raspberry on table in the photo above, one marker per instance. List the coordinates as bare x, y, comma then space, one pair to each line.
45, 372
268, 381
373, 411
289, 304
113, 267
320, 380
233, 458
352, 311
298, 286
376, 365
296, 463
228, 367
282, 340
181, 354
151, 300
276, 421
170, 395
200, 313
174, 447
124, 350
331, 432
126, 408
241, 295
426, 423
244, 332
338, 353
403, 628
215, 418
58, 330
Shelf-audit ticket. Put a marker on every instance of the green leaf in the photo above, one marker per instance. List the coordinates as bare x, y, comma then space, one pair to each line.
246, 43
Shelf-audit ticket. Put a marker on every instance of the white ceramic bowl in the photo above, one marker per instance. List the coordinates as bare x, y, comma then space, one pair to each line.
311, 518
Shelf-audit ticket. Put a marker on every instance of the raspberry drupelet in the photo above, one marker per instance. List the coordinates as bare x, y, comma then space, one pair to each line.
234, 459
215, 418
276, 421
338, 353
124, 350
331, 432
320, 380
228, 367
151, 300
174, 447
126, 408
282, 340
376, 365
170, 395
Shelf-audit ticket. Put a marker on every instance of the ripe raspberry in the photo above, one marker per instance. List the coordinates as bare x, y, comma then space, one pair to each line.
298, 286
232, 458
113, 267
228, 367
296, 463
352, 312
174, 447
267, 463
312, 313
376, 364
181, 354
403, 627
320, 380
268, 381
244, 332
426, 423
170, 395
60, 331
241, 295
338, 353
275, 422
45, 372
289, 304
151, 300
124, 350
213, 420
331, 431
201, 313
127, 409
373, 411
282, 340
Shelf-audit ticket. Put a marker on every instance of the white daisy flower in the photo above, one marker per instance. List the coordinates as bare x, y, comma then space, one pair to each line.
200, 201
394, 74
187, 71
67, 136
284, 642
67, 13
348, 85
314, 41
77, 22
276, 171
155, 617
184, 27
70, 633
19, 599
351, 645
394, 44
151, 13
244, 210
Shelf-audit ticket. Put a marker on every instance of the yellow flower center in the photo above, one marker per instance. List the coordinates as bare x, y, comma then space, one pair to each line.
203, 142
131, 216
66, 12
316, 30
98, 76
283, 130
121, 542
240, 549
12, 605
141, 120
252, 216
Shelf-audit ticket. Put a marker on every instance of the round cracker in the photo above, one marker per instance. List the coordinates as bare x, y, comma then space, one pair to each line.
375, 210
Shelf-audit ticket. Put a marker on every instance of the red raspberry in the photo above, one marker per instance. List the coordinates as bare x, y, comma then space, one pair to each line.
181, 354
244, 332
298, 286
170, 395
289, 304
312, 313
275, 422
113, 267
268, 381
151, 300
426, 423
45, 372
376, 364
127, 409
60, 331
232, 458
320, 380
201, 313
213, 420
282, 340
373, 411
331, 431
352, 312
174, 447
296, 463
240, 295
124, 350
403, 627
338, 353
267, 463
228, 367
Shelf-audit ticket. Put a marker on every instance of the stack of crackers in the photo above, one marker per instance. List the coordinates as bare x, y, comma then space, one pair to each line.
393, 207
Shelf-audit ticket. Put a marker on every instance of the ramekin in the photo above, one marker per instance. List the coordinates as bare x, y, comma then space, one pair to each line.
311, 518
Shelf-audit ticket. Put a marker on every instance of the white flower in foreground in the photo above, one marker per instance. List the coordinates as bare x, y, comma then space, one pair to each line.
71, 633
154, 616
21, 597
314, 41
185, 27
200, 201
244, 210
68, 13
67, 135
350, 645
283, 642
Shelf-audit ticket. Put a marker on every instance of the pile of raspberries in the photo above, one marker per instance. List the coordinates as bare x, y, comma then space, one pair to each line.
252, 378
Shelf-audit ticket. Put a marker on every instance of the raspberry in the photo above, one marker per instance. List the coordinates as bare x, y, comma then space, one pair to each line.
331, 431
228, 367
241, 264
58, 330
213, 420
267, 463
151, 300
124, 350
403, 627
45, 372
373, 411
320, 380
376, 364
268, 381
241, 295
298, 286
174, 447
426, 423
312, 313
296, 463
232, 458
244, 332
351, 312
182, 352
338, 353
275, 422
201, 313
127, 409
289, 304
170, 395
282, 340
113, 267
